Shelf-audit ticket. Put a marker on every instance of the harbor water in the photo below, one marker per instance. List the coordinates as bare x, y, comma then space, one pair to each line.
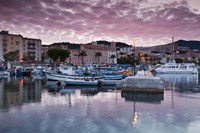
36, 106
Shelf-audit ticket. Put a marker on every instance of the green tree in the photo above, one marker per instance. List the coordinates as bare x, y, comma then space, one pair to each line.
12, 56
185, 60
98, 54
28, 57
179, 60
126, 60
82, 54
58, 54
193, 59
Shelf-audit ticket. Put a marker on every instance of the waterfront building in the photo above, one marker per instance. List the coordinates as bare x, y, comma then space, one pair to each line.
11, 42
74, 51
91, 51
124, 51
32, 47
44, 50
111, 51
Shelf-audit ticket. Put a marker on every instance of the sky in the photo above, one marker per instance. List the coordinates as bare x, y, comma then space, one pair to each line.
143, 22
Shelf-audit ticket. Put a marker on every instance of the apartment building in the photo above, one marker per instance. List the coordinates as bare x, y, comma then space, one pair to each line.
74, 51
111, 51
124, 51
11, 42
91, 51
32, 47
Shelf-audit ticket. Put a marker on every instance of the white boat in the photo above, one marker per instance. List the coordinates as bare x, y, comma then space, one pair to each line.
38, 73
80, 80
90, 82
68, 70
175, 68
4, 73
62, 77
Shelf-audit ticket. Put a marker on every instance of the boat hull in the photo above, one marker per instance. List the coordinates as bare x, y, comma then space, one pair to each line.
176, 72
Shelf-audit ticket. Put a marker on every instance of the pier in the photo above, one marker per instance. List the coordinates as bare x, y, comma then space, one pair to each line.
142, 82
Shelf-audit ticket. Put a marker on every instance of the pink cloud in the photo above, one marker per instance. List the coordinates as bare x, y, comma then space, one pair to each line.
84, 22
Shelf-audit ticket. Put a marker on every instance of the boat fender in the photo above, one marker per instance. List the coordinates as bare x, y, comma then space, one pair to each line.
58, 83
99, 83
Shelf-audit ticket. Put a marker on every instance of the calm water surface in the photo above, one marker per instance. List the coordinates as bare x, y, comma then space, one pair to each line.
35, 106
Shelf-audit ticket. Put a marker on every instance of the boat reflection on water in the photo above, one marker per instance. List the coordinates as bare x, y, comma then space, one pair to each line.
16, 91
146, 97
181, 82
72, 91
85, 90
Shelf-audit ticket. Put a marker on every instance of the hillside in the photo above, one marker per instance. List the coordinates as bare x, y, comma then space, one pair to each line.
191, 44
118, 44
180, 43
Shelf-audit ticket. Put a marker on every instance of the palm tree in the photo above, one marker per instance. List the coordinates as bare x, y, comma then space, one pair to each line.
113, 58
98, 54
82, 54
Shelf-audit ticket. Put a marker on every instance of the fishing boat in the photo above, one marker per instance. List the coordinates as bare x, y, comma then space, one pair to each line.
4, 73
90, 82
80, 80
62, 77
38, 73
175, 68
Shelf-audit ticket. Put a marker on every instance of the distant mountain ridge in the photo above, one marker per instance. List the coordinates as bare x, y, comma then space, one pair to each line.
191, 44
180, 43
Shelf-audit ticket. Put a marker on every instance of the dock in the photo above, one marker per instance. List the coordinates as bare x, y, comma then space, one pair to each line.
142, 82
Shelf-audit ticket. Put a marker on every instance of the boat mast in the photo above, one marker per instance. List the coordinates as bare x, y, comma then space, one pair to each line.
172, 48
134, 73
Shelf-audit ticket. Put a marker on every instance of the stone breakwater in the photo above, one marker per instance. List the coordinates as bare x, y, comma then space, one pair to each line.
142, 82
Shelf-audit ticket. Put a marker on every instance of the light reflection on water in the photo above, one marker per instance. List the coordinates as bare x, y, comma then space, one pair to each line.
27, 105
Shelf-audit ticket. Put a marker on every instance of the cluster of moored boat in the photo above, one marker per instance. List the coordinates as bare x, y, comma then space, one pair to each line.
95, 76
70, 75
